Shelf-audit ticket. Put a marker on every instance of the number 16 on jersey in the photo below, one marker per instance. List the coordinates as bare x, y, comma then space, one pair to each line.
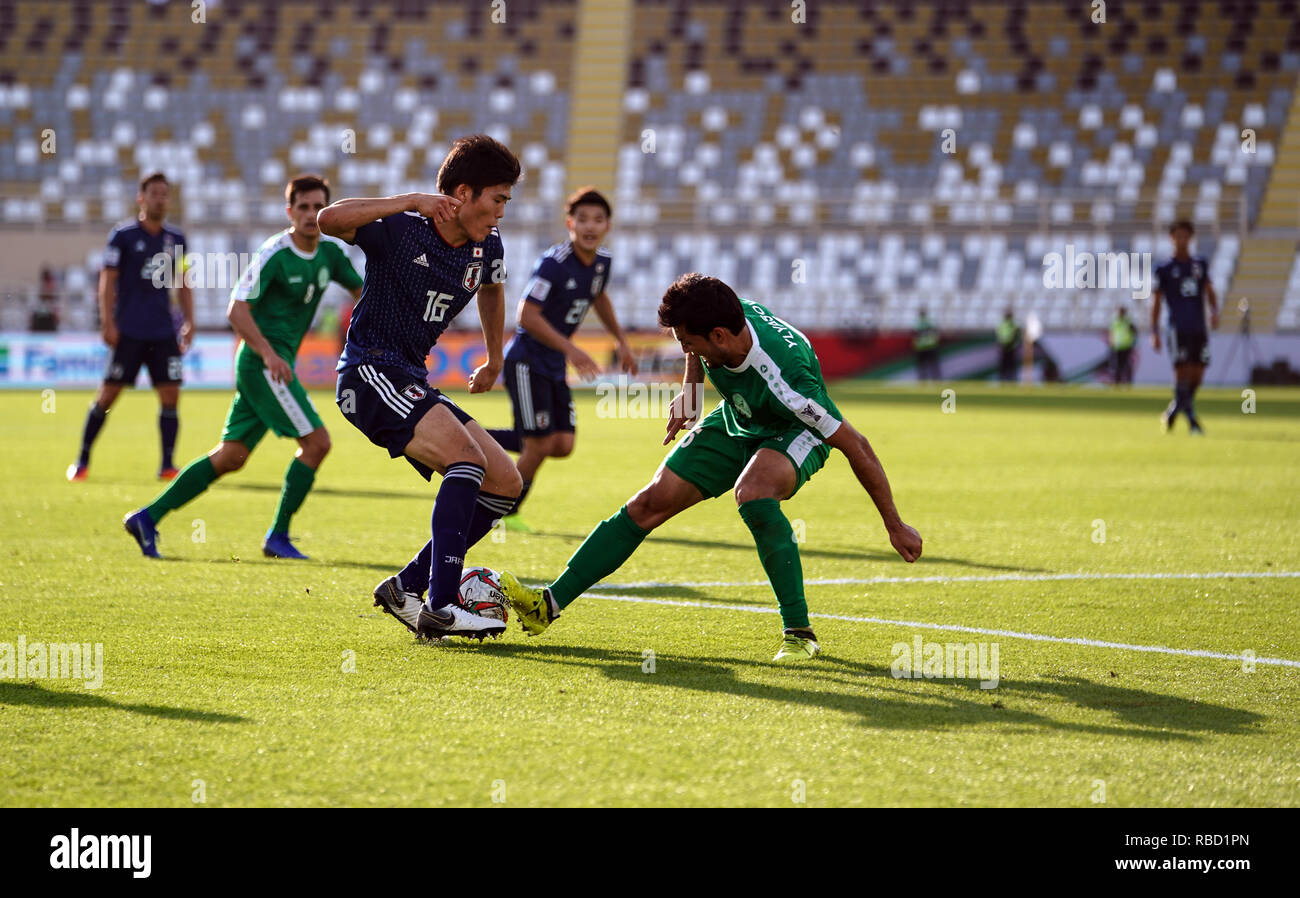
436, 309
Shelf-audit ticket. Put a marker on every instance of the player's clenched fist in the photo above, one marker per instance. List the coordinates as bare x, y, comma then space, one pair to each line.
483, 378
906, 541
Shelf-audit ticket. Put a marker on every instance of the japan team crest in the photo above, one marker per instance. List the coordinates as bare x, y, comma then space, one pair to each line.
473, 276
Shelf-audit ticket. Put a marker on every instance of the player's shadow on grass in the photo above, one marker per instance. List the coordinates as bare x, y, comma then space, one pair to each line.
36, 696
873, 694
1135, 706
808, 552
315, 564
424, 495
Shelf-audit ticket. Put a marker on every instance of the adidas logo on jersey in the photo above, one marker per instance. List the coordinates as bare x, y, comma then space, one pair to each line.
421, 259
572, 284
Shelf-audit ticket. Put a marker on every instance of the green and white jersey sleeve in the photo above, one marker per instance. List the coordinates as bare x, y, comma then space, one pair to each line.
779, 385
283, 287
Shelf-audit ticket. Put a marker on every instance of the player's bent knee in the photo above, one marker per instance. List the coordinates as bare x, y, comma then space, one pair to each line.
652, 506
317, 443
749, 492
640, 510
468, 454
227, 459
511, 484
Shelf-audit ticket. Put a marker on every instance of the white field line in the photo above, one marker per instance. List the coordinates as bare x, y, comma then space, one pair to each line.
994, 578
983, 631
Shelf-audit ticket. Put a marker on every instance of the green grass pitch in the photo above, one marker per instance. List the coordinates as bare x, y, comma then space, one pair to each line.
234, 680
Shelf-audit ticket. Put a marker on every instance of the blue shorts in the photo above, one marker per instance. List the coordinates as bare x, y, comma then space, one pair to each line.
385, 403
161, 357
1189, 346
542, 404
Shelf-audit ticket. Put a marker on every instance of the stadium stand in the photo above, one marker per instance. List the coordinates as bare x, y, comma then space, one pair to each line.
846, 169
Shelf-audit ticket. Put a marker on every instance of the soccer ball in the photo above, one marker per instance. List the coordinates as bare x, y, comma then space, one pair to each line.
480, 592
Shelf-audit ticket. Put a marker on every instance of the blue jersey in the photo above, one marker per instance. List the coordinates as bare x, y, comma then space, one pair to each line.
1182, 284
565, 288
415, 284
143, 310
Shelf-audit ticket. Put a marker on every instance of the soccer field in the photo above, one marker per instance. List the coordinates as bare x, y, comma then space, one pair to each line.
1063, 514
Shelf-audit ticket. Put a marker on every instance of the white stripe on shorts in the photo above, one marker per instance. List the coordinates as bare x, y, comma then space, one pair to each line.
525, 396
290, 405
385, 390
402, 398
801, 445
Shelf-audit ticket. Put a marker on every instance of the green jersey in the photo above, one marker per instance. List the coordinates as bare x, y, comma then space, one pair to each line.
779, 385
283, 287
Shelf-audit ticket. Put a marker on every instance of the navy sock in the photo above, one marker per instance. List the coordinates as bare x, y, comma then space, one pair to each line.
523, 494
168, 424
94, 421
509, 439
1188, 403
452, 513
1182, 399
415, 576
489, 509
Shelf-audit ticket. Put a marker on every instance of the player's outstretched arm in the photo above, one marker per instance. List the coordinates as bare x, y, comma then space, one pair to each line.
492, 318
1155, 320
605, 312
685, 407
905, 540
241, 319
342, 218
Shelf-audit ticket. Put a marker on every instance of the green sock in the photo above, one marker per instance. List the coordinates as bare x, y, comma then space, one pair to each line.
780, 555
601, 553
297, 483
194, 479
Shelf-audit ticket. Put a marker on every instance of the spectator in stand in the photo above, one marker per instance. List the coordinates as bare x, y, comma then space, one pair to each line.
925, 341
1121, 338
45, 317
1008, 335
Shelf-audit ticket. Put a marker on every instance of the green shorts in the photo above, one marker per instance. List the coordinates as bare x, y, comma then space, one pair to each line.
262, 403
712, 460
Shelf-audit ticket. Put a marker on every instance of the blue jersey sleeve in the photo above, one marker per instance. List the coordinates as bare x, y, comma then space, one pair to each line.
113, 252
1161, 274
374, 237
495, 256
546, 274
604, 284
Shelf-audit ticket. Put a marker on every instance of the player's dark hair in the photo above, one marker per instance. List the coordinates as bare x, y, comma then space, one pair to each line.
587, 196
1182, 224
306, 184
477, 161
699, 303
156, 177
